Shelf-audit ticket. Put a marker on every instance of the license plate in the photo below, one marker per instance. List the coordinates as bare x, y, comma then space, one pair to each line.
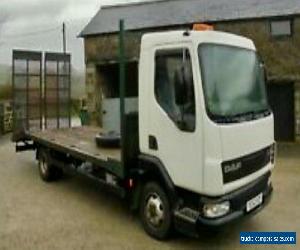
255, 202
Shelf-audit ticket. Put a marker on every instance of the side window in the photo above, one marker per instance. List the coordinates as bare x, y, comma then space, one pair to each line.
174, 87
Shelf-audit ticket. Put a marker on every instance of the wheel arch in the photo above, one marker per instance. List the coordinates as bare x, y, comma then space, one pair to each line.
150, 168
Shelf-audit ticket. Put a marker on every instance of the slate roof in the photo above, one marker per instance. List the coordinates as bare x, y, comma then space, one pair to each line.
177, 12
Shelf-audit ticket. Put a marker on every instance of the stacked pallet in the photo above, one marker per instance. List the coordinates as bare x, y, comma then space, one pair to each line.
6, 117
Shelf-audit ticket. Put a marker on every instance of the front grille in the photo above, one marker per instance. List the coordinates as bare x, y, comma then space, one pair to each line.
244, 166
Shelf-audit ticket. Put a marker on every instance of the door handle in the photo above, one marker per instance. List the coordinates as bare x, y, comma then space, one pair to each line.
152, 142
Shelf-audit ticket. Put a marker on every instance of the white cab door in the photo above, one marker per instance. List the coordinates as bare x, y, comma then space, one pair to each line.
173, 132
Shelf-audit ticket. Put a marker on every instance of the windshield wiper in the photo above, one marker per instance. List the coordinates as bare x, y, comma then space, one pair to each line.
251, 115
247, 116
221, 118
265, 111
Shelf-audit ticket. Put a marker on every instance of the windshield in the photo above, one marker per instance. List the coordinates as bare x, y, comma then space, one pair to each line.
234, 83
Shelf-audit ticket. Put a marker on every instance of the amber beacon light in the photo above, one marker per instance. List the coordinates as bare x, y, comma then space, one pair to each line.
202, 27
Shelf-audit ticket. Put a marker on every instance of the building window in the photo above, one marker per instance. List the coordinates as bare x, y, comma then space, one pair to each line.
281, 28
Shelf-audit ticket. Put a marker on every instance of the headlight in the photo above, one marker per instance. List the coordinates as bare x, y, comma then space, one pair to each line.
216, 210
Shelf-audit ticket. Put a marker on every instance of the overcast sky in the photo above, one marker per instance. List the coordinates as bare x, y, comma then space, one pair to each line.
37, 25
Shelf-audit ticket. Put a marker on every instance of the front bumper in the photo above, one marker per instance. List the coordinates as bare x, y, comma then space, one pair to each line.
188, 220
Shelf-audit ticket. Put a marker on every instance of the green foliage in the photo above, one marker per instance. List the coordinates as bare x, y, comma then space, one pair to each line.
75, 106
6, 92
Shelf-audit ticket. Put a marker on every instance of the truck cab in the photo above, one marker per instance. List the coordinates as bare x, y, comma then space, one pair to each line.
204, 120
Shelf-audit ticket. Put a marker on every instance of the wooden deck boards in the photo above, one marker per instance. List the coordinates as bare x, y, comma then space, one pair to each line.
80, 140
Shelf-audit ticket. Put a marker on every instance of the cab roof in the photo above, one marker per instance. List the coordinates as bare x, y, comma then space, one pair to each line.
196, 37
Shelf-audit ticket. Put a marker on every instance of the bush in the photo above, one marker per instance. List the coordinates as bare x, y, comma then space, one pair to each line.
6, 92
75, 106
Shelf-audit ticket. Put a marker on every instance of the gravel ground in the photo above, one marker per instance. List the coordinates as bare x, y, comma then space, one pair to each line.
75, 214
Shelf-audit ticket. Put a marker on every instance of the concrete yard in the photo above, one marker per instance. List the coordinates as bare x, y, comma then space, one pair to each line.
74, 213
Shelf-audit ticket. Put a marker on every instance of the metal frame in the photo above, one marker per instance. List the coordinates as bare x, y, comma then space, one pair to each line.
21, 129
122, 77
27, 57
57, 58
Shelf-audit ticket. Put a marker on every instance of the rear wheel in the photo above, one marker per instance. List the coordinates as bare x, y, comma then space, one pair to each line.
48, 172
155, 211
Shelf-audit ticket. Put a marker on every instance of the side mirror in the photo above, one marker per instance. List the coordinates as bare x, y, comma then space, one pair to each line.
265, 73
180, 82
263, 69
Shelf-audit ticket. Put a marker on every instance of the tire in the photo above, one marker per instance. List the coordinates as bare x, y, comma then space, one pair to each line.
155, 211
47, 172
110, 140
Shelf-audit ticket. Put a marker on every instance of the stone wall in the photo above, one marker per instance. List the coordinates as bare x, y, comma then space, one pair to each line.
281, 55
105, 48
93, 93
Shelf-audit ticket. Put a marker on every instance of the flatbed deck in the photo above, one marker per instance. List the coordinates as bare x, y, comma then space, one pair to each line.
80, 143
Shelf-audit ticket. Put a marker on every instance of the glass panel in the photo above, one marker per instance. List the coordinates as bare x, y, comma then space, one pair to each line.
20, 123
34, 124
51, 123
63, 122
51, 67
51, 110
63, 82
34, 112
51, 96
20, 111
63, 96
64, 68
233, 80
20, 82
168, 64
51, 82
64, 110
34, 82
34, 97
20, 98
20, 66
34, 67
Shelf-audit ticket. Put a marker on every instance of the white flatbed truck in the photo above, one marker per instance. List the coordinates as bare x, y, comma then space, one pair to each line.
200, 149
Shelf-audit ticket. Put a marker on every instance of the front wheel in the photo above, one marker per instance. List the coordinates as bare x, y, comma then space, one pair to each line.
155, 211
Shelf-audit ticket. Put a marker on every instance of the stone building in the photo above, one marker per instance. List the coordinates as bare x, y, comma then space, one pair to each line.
274, 25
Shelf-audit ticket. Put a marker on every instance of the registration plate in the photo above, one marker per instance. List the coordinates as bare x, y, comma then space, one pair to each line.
255, 202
